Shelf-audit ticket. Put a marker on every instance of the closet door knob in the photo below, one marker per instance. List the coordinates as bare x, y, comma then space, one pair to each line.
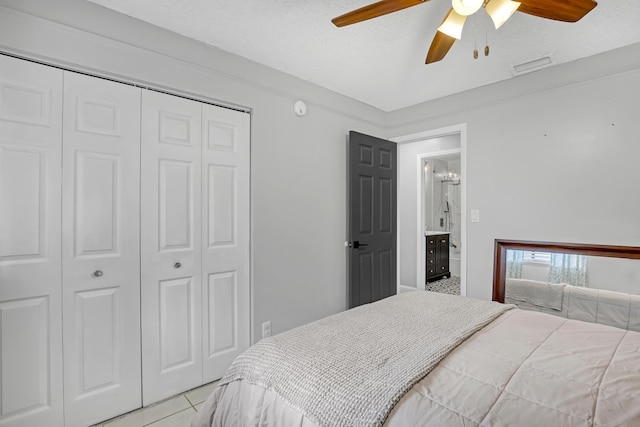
97, 273
177, 265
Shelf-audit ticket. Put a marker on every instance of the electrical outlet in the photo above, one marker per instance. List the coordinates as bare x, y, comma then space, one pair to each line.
266, 329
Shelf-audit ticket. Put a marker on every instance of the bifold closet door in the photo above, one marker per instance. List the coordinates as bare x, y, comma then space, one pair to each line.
226, 237
100, 249
171, 245
30, 269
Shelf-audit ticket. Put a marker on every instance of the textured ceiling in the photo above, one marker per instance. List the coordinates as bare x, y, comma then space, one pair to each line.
381, 61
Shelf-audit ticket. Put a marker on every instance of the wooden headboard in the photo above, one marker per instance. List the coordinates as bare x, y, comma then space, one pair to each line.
501, 247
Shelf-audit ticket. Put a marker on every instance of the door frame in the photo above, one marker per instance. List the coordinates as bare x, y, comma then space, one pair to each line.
461, 130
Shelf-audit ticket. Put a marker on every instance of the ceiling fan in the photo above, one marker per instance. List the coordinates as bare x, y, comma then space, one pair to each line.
451, 28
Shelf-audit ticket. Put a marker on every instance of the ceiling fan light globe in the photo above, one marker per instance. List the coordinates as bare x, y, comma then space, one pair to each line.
501, 10
466, 7
453, 24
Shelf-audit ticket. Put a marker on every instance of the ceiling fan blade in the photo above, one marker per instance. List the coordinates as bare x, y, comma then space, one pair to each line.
373, 11
558, 10
439, 47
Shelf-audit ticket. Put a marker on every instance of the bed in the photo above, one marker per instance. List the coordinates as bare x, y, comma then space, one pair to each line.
427, 359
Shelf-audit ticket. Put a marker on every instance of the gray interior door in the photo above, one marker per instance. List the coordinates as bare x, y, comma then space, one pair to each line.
372, 218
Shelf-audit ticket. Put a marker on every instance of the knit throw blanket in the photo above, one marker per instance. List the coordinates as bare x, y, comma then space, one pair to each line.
350, 369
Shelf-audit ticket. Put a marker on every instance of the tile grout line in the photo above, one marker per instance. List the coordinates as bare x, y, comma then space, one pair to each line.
170, 415
190, 403
131, 413
164, 418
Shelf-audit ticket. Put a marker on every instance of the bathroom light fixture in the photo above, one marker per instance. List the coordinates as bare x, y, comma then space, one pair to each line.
452, 24
501, 10
466, 7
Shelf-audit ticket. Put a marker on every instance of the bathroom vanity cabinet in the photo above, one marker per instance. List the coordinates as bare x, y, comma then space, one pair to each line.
437, 257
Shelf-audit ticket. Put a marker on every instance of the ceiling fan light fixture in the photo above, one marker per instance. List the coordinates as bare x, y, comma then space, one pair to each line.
452, 25
501, 10
466, 7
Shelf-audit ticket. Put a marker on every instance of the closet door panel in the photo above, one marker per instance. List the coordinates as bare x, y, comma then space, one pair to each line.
226, 250
176, 324
24, 203
101, 260
171, 245
26, 317
30, 273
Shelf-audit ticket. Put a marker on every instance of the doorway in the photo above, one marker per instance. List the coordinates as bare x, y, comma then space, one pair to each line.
442, 219
445, 144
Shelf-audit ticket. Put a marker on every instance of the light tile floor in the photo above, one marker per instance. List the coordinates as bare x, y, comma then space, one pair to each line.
176, 411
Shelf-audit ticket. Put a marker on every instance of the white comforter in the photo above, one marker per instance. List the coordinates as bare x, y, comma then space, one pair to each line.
523, 369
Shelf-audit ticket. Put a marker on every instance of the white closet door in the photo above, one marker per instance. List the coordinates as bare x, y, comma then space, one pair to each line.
171, 245
30, 276
101, 255
225, 266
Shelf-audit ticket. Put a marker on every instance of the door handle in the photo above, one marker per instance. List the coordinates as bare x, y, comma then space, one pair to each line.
357, 244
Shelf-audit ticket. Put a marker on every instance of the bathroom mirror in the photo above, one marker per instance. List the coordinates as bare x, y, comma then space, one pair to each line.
611, 268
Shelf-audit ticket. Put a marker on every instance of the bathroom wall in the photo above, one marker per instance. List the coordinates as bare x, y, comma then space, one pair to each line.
455, 201
434, 199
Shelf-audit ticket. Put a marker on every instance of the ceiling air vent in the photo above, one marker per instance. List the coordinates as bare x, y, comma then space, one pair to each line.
527, 67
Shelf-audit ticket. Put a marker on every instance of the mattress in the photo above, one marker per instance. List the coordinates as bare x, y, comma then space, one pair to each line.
523, 369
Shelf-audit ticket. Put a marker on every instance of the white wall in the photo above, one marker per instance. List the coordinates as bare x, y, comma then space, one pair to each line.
409, 174
455, 201
297, 164
614, 274
536, 146
438, 199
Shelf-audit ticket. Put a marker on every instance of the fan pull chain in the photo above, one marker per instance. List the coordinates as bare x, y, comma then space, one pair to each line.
486, 45
474, 26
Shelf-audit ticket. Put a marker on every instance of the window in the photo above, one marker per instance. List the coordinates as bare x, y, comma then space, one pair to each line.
536, 256
564, 268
